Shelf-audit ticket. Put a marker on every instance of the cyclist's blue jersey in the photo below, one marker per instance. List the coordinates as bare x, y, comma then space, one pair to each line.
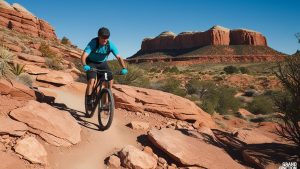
100, 54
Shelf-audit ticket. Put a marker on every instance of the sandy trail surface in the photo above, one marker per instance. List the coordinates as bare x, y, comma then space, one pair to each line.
95, 145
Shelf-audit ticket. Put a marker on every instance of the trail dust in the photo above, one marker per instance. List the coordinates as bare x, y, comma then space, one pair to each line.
95, 145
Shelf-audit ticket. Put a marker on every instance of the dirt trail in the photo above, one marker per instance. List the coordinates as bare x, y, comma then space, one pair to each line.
95, 145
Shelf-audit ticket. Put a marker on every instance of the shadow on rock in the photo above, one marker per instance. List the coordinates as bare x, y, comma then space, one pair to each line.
255, 155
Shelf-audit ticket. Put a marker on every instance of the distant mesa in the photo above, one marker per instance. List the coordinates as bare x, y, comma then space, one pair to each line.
217, 35
18, 18
231, 44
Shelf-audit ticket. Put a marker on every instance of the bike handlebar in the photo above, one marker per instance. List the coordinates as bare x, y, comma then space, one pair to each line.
105, 71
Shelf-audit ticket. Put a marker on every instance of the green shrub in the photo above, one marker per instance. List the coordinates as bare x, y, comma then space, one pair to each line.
244, 70
231, 69
200, 88
171, 85
173, 69
220, 99
261, 105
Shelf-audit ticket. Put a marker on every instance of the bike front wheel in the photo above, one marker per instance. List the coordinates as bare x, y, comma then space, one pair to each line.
89, 109
106, 109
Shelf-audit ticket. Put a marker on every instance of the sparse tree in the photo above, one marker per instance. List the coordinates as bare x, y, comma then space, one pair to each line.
289, 103
65, 41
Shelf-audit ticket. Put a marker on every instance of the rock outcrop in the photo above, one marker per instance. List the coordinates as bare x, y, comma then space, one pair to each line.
190, 151
217, 35
55, 126
16, 17
169, 105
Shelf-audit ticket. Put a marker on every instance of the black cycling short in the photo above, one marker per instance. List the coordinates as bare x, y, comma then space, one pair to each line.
100, 66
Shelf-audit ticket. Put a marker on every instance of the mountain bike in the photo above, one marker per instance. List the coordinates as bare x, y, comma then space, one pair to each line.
102, 98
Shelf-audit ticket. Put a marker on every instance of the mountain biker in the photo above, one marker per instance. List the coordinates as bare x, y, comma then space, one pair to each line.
95, 55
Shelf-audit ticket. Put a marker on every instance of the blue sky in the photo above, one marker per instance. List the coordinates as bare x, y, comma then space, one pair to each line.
130, 21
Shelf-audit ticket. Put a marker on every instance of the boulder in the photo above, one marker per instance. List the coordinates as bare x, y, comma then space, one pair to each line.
32, 150
57, 127
114, 162
168, 105
134, 158
138, 125
190, 151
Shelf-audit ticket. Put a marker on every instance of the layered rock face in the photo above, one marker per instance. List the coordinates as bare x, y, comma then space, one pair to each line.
17, 18
217, 35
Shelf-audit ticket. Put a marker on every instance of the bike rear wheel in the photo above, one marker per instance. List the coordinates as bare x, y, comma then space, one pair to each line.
105, 109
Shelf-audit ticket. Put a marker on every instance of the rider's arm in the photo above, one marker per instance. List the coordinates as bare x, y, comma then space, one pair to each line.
121, 61
83, 58
115, 52
88, 49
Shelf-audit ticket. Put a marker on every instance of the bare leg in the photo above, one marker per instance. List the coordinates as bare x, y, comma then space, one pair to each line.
90, 86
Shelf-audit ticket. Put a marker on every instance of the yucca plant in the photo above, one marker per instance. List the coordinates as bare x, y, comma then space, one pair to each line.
17, 69
5, 58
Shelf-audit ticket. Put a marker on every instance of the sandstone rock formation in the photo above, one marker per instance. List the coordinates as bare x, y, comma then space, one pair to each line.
216, 35
55, 126
169, 105
17, 18
190, 151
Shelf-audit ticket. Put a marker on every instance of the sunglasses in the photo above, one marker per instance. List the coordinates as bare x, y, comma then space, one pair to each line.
104, 37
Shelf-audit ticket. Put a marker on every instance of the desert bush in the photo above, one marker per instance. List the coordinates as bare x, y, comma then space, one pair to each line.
261, 105
135, 77
244, 70
199, 88
220, 99
154, 70
173, 69
46, 52
53, 60
5, 58
65, 41
171, 85
25, 79
54, 63
288, 103
231, 69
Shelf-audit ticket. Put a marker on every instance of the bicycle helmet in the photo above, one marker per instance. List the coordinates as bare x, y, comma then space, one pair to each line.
104, 32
